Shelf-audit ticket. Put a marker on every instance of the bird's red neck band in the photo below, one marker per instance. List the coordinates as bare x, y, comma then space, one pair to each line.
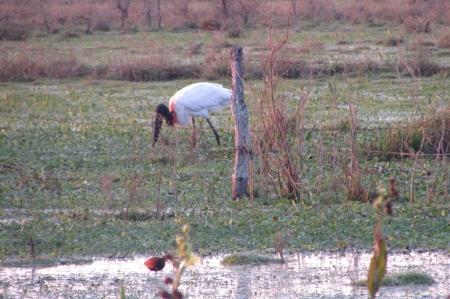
174, 114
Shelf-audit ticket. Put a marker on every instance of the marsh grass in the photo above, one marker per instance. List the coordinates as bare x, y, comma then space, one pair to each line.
444, 40
246, 259
403, 279
71, 149
144, 70
14, 32
408, 278
24, 68
79, 176
46, 261
51, 18
130, 56
430, 135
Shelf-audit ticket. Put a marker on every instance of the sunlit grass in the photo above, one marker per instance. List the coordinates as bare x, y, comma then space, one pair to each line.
46, 261
403, 279
245, 259
58, 138
68, 136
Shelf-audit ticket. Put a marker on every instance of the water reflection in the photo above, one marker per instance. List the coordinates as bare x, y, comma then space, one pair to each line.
318, 275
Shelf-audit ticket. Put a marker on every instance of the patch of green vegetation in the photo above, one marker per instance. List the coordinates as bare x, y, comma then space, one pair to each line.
62, 141
443, 53
78, 173
408, 278
232, 227
402, 279
245, 259
45, 261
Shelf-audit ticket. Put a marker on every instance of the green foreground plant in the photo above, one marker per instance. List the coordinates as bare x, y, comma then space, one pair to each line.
185, 259
378, 264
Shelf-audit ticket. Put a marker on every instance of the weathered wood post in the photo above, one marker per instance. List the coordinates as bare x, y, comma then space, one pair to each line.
242, 140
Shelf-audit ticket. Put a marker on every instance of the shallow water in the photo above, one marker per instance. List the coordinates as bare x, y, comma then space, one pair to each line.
318, 275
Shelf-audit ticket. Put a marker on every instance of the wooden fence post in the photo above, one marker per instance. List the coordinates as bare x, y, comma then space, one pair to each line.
242, 140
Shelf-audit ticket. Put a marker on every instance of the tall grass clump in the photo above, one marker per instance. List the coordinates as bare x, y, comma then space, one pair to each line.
210, 24
148, 69
437, 132
389, 143
356, 191
393, 41
430, 135
444, 40
216, 66
416, 25
102, 25
419, 62
14, 33
21, 67
425, 143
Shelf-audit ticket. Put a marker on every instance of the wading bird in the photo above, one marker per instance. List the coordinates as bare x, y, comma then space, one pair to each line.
157, 263
194, 100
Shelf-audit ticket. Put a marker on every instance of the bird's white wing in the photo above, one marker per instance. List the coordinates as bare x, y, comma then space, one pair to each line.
198, 100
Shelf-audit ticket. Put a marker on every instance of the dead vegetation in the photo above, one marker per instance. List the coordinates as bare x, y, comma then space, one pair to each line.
22, 20
55, 16
430, 135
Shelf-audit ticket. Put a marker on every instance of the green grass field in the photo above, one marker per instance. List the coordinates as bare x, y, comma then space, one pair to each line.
76, 133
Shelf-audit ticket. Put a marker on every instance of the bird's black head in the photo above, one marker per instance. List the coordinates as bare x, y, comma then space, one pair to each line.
161, 112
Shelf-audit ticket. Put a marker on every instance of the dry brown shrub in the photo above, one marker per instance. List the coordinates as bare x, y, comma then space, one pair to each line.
317, 10
424, 43
14, 32
437, 131
420, 62
102, 25
235, 32
413, 24
312, 46
357, 14
391, 13
50, 182
210, 24
25, 68
195, 48
57, 16
216, 66
106, 184
276, 145
151, 69
393, 41
342, 41
433, 130
60, 67
444, 40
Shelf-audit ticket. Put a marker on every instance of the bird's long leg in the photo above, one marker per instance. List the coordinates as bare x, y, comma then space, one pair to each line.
214, 131
194, 137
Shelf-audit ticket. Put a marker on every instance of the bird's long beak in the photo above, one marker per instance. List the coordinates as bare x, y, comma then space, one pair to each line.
158, 124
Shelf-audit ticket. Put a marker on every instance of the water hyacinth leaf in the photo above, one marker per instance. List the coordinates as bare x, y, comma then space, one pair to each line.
377, 268
308, 136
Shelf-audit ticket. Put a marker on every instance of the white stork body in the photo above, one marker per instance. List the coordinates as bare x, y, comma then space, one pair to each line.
194, 100
198, 99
